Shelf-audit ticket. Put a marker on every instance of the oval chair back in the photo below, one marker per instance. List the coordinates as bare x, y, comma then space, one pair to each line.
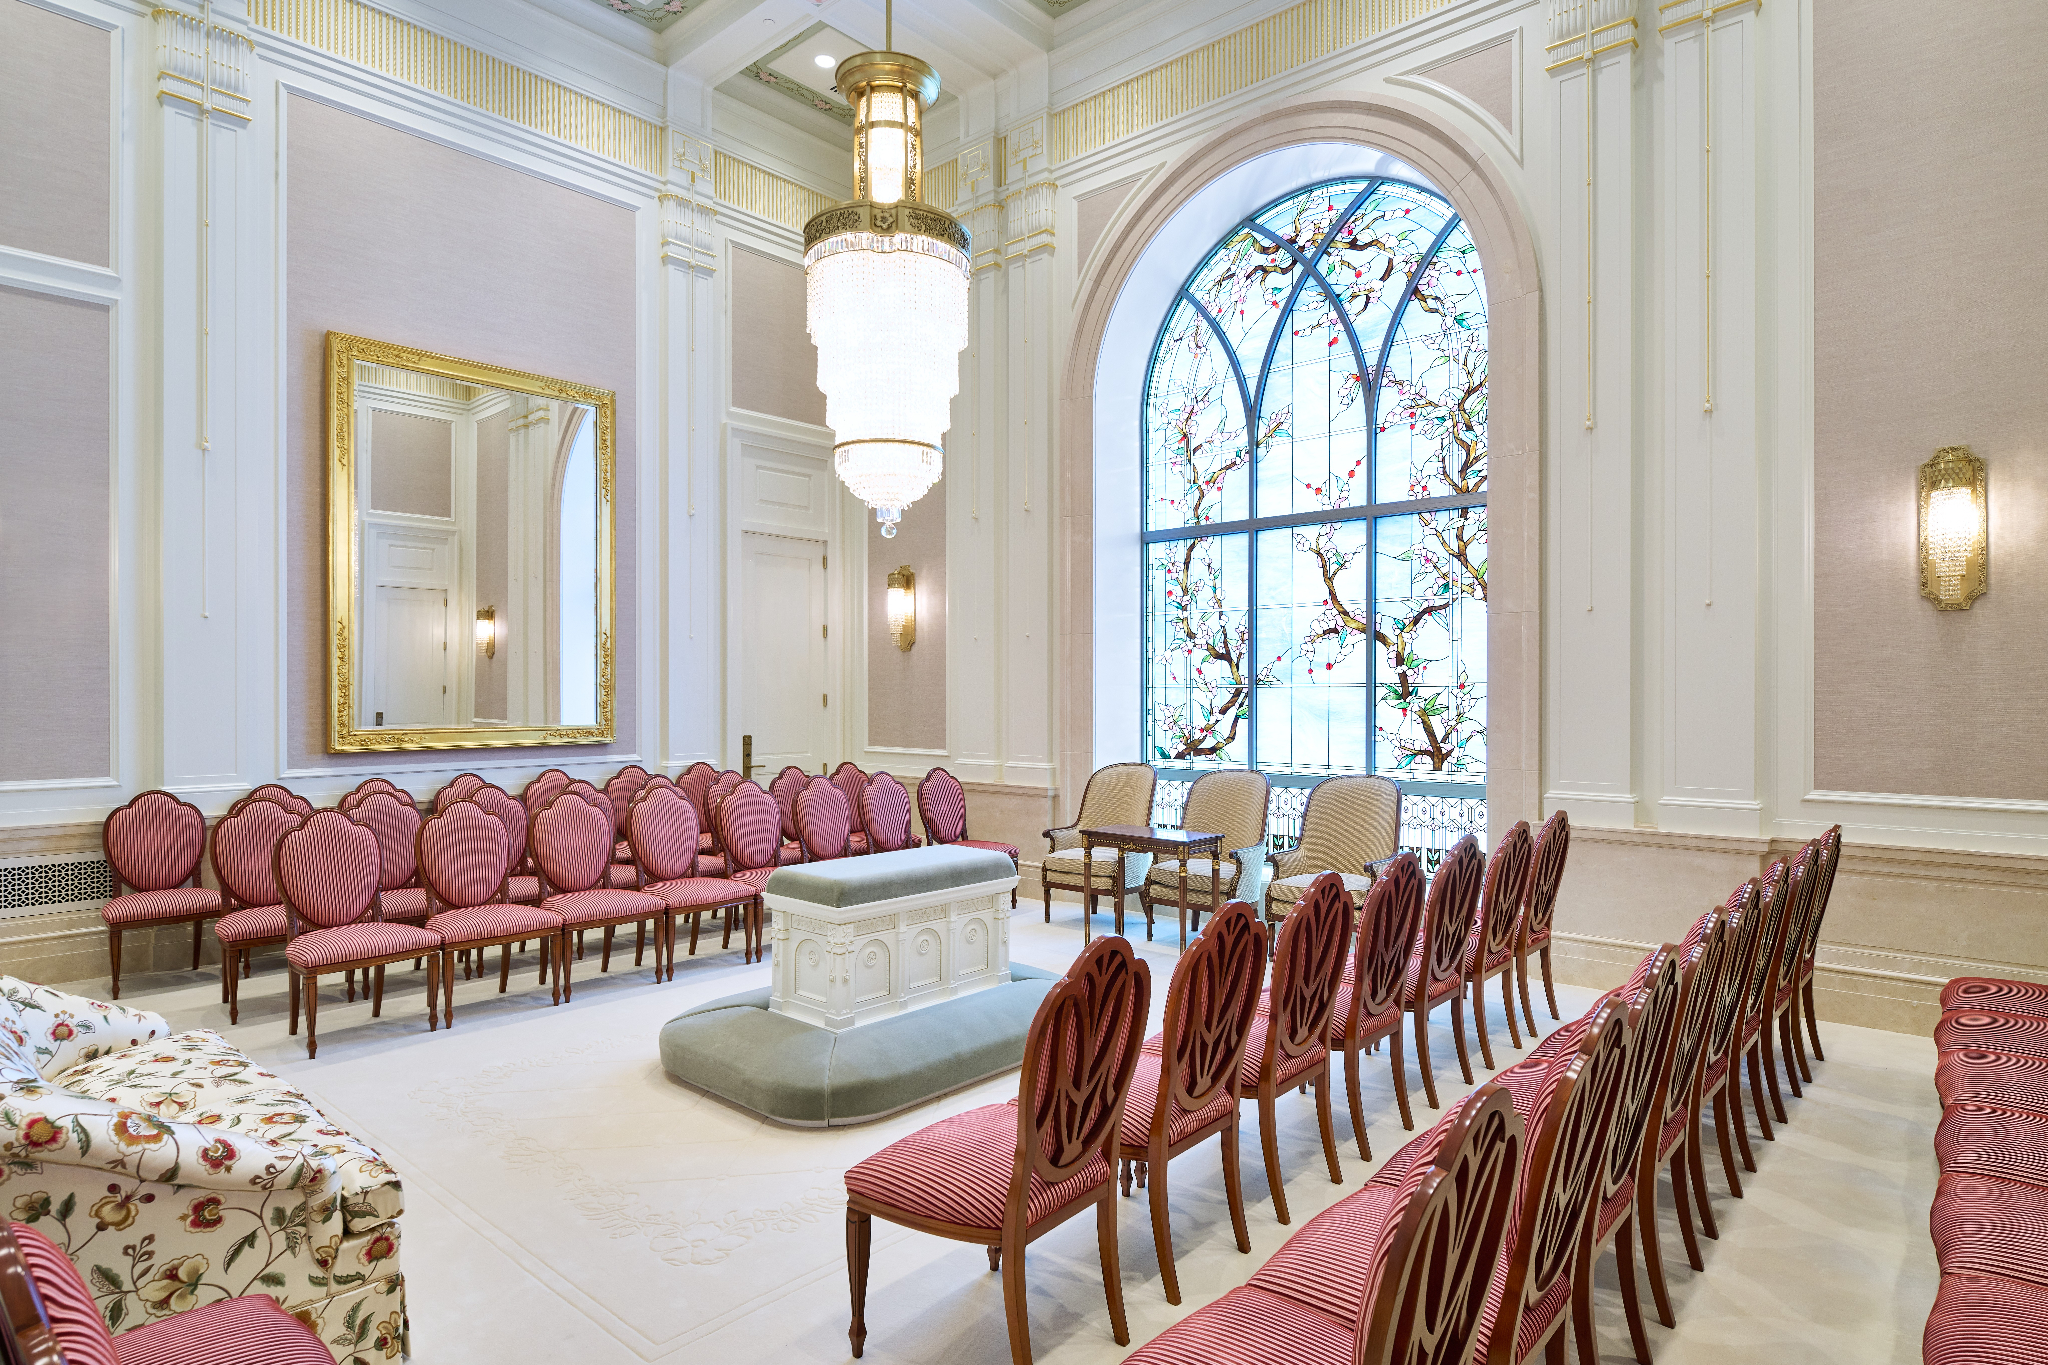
1492, 940
463, 853
543, 789
714, 797
154, 843
942, 805
656, 782
457, 790
1539, 902
280, 795
396, 825
1652, 1024
885, 814
245, 851
512, 815
662, 827
1778, 898
327, 872
366, 789
1210, 1006
1806, 876
624, 786
787, 786
1704, 959
853, 785
1743, 916
749, 829
1453, 898
695, 784
1308, 968
1386, 940
1078, 1061
1823, 888
572, 843
823, 822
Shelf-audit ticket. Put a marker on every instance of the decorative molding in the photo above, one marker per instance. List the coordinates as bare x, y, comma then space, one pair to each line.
826, 103
1028, 218
1581, 30
2011, 805
404, 51
1678, 13
203, 65
941, 184
1744, 845
765, 194
1272, 47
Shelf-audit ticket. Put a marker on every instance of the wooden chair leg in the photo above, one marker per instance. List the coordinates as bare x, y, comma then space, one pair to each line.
1422, 1063
447, 988
312, 1016
1476, 987
1269, 1144
433, 991
555, 951
197, 926
1625, 1266
1458, 1035
1507, 1008
1522, 986
604, 961
114, 958
1696, 1166
231, 979
1681, 1199
1798, 1040
1015, 1306
377, 993
696, 923
564, 973
1721, 1127
859, 1237
1324, 1121
1351, 1064
1653, 1246
1549, 987
639, 942
293, 978
1112, 1270
1046, 887
349, 978
1763, 1072
504, 966
1812, 1024
1162, 1231
1582, 1300
1400, 1068
1233, 1188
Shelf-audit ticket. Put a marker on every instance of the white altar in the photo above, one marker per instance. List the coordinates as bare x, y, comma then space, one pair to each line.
860, 939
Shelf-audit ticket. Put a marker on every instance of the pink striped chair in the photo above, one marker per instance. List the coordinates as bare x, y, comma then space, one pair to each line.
1290, 1038
572, 844
695, 784
1539, 910
1004, 1175
244, 863
1175, 1106
885, 814
154, 844
463, 853
1368, 1005
942, 806
853, 785
1490, 943
620, 791
663, 828
1824, 887
458, 789
823, 823
1719, 1081
1411, 1263
1755, 1043
368, 788
49, 1317
787, 786
720, 788
544, 788
750, 832
1435, 965
327, 870
521, 885
279, 795
396, 823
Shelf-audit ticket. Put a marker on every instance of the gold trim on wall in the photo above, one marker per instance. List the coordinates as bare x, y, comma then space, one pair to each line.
344, 567
1271, 47
764, 193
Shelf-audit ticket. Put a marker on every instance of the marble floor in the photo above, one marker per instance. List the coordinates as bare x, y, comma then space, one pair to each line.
564, 1195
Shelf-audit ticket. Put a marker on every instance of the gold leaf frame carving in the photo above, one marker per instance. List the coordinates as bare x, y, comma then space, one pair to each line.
344, 567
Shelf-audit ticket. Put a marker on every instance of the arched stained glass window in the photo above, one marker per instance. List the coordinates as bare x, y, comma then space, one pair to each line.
1315, 494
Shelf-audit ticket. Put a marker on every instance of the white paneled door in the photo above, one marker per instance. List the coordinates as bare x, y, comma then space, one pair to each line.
412, 671
784, 690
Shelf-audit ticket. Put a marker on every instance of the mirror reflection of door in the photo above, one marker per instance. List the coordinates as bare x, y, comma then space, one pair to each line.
783, 683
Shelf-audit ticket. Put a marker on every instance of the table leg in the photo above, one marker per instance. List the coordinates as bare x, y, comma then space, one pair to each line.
1087, 891
1121, 854
1183, 902
1215, 882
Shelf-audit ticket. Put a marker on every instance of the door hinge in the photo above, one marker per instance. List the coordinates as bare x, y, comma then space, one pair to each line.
824, 632
824, 699
824, 561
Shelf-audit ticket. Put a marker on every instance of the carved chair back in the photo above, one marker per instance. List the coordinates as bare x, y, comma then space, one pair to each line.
572, 843
1453, 897
942, 804
463, 855
885, 814
1386, 939
749, 829
245, 851
1426, 1289
154, 842
1799, 908
822, 821
853, 785
1078, 1060
1500, 905
1652, 1024
1823, 888
1210, 1006
457, 790
1546, 872
327, 873
396, 825
662, 827
1308, 969
1704, 958
788, 784
1776, 911
1743, 912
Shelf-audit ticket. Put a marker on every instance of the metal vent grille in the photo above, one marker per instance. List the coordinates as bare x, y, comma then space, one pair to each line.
38, 886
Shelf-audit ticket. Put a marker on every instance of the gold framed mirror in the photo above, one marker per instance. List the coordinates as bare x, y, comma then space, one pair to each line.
470, 546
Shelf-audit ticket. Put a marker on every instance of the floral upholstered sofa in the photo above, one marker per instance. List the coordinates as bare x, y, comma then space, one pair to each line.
175, 1172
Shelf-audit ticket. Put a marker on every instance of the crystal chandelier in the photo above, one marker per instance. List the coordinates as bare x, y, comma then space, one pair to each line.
886, 294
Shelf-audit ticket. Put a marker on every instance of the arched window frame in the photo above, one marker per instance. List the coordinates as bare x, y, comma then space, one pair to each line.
1252, 397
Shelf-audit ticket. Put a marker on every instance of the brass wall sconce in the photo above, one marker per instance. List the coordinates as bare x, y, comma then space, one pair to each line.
1955, 529
487, 631
903, 607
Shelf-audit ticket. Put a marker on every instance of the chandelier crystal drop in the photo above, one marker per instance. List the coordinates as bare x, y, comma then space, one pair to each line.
886, 295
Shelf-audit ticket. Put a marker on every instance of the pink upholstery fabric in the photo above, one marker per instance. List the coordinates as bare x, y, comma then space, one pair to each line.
853, 785
1284, 1067
145, 907
154, 841
524, 889
958, 1171
695, 785
572, 843
700, 893
620, 791
2006, 1144
1442, 990
1250, 1326
991, 845
1986, 1320
457, 790
2021, 1034
750, 828
326, 948
244, 849
1617, 1204
405, 903
885, 813
543, 789
1983, 1226
280, 796
489, 923
623, 877
603, 906
1995, 995
367, 789
663, 830
2003, 1079
942, 805
253, 925
397, 827
463, 854
327, 869
67, 1304
1143, 1101
1326, 1265
755, 877
822, 820
513, 815
787, 785
252, 1330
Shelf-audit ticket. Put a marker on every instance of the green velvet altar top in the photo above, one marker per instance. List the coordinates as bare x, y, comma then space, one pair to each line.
841, 882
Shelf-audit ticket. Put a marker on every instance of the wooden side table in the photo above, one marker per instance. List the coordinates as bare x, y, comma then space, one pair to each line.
1173, 843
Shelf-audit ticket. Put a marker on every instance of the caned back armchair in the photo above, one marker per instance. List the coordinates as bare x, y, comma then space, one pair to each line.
1351, 826
1232, 803
1120, 794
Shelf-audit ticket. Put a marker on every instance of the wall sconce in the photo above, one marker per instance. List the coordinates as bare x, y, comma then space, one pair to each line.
487, 632
1955, 529
903, 607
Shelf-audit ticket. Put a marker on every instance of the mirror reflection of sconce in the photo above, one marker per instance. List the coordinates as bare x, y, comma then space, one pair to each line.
903, 607
487, 632
1955, 529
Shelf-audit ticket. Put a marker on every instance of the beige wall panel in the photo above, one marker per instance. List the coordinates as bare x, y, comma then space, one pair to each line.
1486, 77
1928, 331
774, 364
398, 238
56, 657
56, 121
412, 464
1093, 210
907, 688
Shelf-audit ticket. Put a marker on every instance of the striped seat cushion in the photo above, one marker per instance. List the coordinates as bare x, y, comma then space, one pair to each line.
2000, 1078
523, 889
2022, 1034
1539, 937
989, 844
1327, 1264
1500, 957
602, 905
700, 893
1251, 1326
622, 851
1995, 996
1673, 1130
489, 923
1616, 1205
1524, 1081
405, 902
1442, 990
1144, 1099
1342, 1010
1066, 867
73, 1316
1535, 1322
710, 865
1567, 1035
958, 1171
252, 925
1978, 1139
1715, 1071
1983, 1226
1165, 875
622, 877
1986, 1320
359, 942
755, 877
1287, 890
252, 1330
143, 907
1285, 1068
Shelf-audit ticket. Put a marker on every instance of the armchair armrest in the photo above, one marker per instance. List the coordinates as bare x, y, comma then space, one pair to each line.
63, 1030
1253, 872
1374, 868
1066, 836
